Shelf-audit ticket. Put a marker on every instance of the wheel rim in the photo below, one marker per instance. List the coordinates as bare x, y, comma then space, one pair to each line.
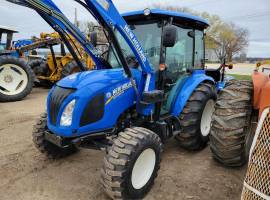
13, 79
207, 117
143, 168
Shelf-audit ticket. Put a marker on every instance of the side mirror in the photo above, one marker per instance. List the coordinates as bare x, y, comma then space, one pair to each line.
93, 38
169, 36
191, 34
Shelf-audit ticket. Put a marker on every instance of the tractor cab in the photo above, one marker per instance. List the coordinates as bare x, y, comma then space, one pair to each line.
6, 36
173, 43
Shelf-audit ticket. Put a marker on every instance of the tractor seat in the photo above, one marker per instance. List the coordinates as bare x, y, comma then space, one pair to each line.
214, 73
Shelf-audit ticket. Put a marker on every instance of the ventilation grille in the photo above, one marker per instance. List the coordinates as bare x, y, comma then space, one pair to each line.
57, 97
257, 181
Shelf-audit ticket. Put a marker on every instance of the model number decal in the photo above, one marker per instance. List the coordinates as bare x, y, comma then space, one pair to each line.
135, 42
117, 92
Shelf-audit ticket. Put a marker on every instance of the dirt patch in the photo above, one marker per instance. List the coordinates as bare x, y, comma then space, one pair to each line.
26, 174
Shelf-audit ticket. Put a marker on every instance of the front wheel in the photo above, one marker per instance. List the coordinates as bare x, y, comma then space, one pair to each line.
50, 150
132, 163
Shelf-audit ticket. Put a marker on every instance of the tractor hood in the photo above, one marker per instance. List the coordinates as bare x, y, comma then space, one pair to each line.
95, 78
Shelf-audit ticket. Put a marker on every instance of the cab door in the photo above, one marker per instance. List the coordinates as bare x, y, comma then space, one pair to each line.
186, 55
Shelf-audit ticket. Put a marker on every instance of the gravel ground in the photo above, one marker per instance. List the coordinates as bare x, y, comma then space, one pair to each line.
25, 174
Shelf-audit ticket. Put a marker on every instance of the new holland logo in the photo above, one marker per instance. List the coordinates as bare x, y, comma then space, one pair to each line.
117, 92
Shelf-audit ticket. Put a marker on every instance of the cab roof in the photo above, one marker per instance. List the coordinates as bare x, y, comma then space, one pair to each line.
5, 29
178, 17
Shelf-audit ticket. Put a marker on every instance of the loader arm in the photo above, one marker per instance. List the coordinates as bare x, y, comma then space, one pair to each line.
107, 15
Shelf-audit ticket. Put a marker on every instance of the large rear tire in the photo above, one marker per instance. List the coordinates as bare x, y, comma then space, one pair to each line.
195, 120
132, 163
40, 68
231, 124
16, 79
50, 150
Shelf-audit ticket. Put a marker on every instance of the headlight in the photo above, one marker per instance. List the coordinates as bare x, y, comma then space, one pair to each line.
66, 117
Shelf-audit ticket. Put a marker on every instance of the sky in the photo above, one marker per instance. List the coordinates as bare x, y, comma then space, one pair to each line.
251, 14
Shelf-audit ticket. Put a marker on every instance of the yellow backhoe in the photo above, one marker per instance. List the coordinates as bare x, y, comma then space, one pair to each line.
57, 65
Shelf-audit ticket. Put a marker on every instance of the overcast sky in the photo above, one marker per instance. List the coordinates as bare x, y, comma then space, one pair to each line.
252, 14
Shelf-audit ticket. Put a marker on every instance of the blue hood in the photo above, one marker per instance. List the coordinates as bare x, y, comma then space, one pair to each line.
92, 78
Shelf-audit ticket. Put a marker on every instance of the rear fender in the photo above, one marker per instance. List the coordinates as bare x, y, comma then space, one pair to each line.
260, 84
265, 97
186, 89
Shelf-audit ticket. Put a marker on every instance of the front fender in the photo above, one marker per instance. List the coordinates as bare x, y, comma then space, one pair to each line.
186, 90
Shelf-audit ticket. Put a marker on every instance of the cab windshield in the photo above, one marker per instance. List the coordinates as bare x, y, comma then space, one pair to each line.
149, 36
188, 51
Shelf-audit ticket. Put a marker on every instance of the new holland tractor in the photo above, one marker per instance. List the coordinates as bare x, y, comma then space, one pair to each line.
16, 77
151, 85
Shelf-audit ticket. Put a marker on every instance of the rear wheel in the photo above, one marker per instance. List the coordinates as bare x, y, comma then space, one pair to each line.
131, 165
195, 120
40, 68
50, 150
232, 130
16, 79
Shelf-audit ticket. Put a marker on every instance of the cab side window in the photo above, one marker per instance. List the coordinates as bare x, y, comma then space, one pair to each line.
199, 50
180, 57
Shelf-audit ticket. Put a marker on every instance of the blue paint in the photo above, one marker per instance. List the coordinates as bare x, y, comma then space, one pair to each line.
89, 84
177, 15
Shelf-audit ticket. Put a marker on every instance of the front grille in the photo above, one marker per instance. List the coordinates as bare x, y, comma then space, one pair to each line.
57, 97
257, 181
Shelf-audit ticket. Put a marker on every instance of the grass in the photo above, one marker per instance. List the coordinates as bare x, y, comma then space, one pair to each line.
241, 77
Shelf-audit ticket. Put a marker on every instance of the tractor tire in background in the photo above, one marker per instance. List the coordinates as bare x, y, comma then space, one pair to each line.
131, 164
231, 124
71, 68
50, 150
39, 68
195, 119
16, 79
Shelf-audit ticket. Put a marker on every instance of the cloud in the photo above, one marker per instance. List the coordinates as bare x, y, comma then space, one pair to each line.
28, 23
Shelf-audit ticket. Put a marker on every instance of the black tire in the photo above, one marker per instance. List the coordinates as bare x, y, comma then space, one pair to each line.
50, 150
71, 68
231, 124
40, 68
29, 82
190, 136
116, 174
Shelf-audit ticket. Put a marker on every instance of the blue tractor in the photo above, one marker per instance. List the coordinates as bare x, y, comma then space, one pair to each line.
151, 85
16, 77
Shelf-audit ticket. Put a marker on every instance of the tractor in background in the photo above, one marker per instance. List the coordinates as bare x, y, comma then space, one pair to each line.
57, 66
151, 85
257, 180
239, 106
16, 77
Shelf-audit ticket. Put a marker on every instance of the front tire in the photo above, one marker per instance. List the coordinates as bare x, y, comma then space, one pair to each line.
195, 120
132, 163
232, 129
16, 79
50, 150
